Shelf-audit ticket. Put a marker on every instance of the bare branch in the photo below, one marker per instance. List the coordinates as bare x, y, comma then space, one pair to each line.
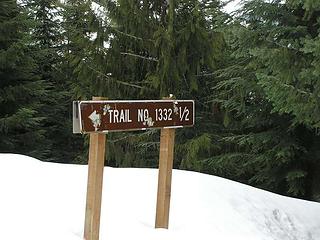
139, 56
130, 35
205, 74
117, 81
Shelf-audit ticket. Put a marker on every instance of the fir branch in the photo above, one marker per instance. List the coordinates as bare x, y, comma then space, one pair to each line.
185, 80
218, 71
290, 47
146, 133
297, 89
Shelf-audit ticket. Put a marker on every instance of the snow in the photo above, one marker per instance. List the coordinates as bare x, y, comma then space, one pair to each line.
46, 201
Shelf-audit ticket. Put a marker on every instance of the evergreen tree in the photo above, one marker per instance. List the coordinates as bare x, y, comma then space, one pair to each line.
147, 49
268, 93
156, 48
84, 51
289, 57
48, 44
21, 90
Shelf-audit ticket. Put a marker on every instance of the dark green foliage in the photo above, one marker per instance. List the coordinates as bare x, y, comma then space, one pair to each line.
145, 50
21, 90
288, 55
165, 48
48, 46
85, 52
269, 96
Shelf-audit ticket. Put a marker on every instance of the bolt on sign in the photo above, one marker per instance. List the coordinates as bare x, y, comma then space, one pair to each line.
109, 116
98, 117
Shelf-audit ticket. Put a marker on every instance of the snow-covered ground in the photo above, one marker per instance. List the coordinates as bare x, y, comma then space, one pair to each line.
46, 201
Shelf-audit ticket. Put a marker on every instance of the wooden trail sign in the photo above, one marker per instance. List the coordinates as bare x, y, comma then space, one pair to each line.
164, 177
98, 117
97, 147
107, 116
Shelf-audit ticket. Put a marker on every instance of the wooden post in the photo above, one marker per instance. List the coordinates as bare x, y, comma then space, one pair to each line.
94, 186
164, 178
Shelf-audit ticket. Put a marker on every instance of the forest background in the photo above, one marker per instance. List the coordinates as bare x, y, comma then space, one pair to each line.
254, 75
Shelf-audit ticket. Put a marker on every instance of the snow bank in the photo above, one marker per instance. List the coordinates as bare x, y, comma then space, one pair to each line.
46, 201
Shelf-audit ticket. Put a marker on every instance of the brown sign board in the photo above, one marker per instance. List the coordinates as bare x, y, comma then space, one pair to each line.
125, 115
